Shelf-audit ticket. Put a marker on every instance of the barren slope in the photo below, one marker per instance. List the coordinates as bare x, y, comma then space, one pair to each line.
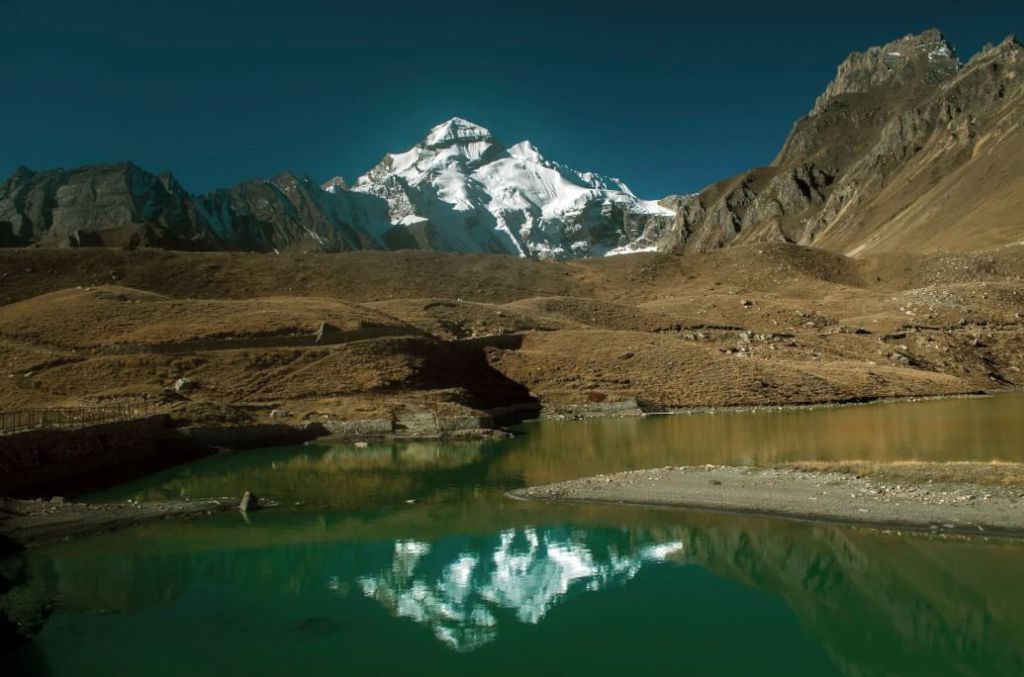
906, 151
379, 334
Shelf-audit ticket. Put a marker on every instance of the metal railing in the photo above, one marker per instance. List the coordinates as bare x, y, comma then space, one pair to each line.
69, 417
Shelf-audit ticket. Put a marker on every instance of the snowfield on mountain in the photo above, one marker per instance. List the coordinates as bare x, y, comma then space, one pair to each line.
473, 194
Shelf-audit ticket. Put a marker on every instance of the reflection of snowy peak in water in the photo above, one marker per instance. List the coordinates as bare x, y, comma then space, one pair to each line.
456, 592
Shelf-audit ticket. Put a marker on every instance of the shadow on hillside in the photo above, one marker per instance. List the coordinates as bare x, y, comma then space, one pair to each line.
463, 365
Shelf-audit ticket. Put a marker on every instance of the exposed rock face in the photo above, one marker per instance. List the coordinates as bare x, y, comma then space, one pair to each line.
914, 60
293, 213
96, 203
894, 155
335, 184
123, 205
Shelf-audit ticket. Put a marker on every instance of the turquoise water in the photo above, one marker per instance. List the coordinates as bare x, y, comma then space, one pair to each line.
409, 560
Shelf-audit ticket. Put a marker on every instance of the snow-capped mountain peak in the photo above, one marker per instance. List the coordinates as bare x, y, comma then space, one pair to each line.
477, 195
456, 131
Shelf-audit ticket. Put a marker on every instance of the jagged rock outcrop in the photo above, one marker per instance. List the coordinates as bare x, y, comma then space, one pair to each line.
116, 203
335, 184
123, 205
292, 212
912, 61
905, 150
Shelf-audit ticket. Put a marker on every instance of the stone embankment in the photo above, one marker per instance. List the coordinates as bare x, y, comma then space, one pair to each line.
72, 461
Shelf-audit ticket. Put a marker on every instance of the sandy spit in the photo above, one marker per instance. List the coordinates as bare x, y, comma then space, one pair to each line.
30, 523
801, 495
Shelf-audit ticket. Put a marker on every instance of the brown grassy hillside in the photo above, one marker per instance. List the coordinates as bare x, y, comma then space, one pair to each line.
448, 333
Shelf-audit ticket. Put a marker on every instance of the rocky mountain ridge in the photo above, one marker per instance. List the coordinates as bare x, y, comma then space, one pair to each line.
460, 189
907, 149
124, 205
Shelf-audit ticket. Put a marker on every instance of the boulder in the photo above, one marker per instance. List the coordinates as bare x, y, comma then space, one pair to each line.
249, 502
185, 385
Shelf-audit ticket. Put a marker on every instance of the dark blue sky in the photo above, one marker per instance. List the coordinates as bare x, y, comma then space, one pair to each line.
667, 98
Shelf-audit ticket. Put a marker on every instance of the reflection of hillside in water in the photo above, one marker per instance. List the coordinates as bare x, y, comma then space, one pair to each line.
884, 604
339, 476
526, 571
984, 429
409, 455
348, 477
877, 602
880, 604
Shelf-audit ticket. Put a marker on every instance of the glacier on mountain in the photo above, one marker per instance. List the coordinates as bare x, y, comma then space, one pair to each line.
465, 191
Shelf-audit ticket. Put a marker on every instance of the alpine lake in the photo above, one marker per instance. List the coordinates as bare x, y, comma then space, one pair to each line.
408, 559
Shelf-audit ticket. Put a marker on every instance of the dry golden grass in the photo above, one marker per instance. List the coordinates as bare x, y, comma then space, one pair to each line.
762, 324
662, 370
994, 473
109, 315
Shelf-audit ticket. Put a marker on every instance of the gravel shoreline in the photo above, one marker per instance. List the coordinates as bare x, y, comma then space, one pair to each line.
839, 497
31, 523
